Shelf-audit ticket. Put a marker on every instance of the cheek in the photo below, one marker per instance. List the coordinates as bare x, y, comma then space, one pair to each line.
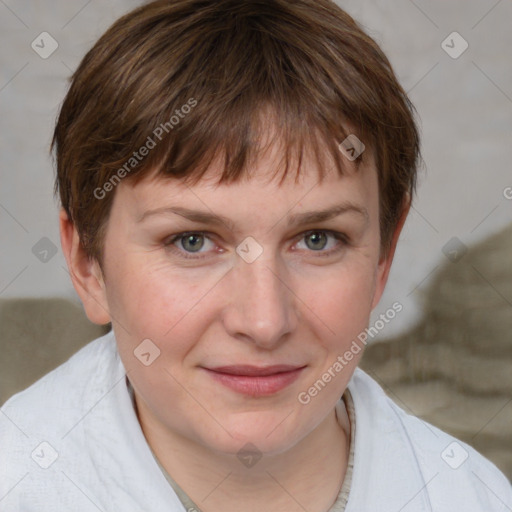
165, 310
348, 291
138, 299
147, 300
342, 301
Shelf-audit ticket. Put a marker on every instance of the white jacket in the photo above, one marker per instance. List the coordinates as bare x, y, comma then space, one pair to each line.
72, 442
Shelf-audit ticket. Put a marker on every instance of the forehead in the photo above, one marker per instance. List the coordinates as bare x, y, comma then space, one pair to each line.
260, 197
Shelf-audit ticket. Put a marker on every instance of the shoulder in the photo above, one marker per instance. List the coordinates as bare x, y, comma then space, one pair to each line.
35, 420
62, 386
451, 470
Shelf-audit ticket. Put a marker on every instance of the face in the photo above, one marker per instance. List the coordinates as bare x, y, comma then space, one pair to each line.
244, 314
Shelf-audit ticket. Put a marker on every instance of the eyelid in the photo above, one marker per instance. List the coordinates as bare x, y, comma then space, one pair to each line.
342, 238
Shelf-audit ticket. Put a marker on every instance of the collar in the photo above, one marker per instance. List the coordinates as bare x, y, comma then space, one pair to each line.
386, 473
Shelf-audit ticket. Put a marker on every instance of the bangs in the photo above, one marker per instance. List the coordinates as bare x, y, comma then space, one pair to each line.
236, 147
238, 66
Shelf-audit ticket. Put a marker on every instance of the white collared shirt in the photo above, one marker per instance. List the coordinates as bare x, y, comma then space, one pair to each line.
72, 442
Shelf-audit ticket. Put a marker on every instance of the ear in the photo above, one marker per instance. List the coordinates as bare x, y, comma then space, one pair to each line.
386, 261
85, 272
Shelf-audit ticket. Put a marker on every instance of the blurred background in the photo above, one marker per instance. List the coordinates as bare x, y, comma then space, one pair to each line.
447, 356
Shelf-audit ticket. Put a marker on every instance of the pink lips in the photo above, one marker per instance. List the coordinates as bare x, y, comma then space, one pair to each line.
256, 381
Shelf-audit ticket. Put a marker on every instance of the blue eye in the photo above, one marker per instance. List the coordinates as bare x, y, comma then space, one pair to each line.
190, 243
193, 241
319, 240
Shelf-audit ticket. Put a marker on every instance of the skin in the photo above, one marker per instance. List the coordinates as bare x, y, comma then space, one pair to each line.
290, 306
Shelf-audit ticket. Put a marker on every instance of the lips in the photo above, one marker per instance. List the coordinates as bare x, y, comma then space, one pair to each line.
253, 380
254, 371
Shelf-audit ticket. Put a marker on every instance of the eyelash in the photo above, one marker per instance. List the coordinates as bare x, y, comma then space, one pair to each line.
341, 237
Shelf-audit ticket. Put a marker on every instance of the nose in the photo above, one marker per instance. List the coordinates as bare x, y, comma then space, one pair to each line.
261, 308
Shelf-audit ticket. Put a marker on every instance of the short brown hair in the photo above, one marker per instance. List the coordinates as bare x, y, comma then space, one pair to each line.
227, 60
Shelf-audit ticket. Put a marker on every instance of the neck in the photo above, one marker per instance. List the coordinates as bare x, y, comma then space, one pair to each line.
306, 477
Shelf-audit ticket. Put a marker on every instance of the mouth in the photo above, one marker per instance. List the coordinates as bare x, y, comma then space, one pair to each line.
255, 381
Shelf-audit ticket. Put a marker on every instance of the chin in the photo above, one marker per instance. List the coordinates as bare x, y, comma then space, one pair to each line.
263, 434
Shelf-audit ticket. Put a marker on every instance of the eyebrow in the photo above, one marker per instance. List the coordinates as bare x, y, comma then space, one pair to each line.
310, 217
